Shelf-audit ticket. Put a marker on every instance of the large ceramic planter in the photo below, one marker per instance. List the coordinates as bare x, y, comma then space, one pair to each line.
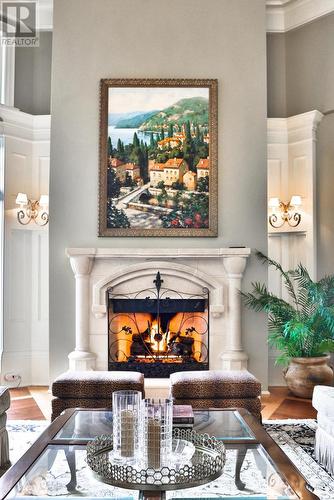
303, 374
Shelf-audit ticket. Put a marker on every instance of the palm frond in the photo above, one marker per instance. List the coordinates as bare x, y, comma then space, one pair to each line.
305, 327
327, 285
326, 345
262, 300
301, 274
287, 280
327, 313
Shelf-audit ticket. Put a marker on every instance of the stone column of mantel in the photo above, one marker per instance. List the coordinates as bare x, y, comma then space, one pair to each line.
234, 358
81, 358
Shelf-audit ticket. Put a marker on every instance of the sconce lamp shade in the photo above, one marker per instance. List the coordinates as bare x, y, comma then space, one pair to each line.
296, 201
22, 199
44, 200
273, 203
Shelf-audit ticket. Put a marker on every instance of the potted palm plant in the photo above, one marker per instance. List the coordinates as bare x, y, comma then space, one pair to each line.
302, 329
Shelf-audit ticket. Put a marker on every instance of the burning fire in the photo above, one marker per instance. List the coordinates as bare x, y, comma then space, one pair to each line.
182, 334
158, 339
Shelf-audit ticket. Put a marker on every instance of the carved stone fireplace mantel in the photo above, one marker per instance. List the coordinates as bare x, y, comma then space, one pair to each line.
98, 270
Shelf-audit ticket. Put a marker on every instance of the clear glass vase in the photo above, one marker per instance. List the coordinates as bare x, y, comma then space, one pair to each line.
126, 406
156, 432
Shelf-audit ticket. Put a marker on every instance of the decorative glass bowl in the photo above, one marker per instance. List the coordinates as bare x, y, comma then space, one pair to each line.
182, 451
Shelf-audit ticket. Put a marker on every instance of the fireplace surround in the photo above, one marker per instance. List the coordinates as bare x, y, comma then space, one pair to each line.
107, 280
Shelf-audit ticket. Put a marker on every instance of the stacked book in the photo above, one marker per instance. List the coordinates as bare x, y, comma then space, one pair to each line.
183, 416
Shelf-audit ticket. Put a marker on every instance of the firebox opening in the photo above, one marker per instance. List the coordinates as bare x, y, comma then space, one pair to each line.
158, 336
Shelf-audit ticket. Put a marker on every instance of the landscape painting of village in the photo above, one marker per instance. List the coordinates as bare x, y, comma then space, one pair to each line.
157, 168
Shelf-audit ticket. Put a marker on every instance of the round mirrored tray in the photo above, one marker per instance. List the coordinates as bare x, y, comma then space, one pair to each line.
193, 464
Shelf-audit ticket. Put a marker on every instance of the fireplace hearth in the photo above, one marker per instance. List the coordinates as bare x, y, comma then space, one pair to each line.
158, 330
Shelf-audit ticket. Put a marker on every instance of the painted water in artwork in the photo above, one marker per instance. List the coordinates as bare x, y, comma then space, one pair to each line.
158, 150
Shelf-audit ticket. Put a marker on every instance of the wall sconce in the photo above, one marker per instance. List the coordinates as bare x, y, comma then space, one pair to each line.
285, 212
36, 210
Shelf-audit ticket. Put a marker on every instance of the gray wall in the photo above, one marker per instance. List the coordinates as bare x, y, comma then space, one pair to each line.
310, 67
33, 76
179, 38
309, 77
325, 198
276, 75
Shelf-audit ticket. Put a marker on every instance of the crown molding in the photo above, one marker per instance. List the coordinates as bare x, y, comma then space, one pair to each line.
285, 15
294, 128
16, 123
278, 3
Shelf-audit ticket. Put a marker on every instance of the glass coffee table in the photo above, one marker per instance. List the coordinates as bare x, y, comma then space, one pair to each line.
256, 468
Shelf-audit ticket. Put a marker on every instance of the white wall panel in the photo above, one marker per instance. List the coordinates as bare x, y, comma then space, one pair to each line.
26, 274
291, 170
16, 169
39, 292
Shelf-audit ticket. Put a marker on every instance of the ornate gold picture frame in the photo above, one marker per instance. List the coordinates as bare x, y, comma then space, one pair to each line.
158, 157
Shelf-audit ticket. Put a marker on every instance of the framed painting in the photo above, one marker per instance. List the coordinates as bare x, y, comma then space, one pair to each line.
158, 157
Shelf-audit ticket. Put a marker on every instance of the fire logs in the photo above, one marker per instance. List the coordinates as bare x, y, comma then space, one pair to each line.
183, 346
179, 345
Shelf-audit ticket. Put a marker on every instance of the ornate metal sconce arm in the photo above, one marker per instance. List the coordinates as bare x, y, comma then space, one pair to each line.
23, 217
44, 219
294, 219
286, 214
32, 212
273, 221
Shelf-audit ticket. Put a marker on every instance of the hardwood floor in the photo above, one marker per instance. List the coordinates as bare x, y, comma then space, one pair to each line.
34, 403
30, 403
281, 404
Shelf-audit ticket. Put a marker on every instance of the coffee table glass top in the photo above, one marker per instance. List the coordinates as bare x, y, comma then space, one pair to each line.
225, 425
62, 471
86, 425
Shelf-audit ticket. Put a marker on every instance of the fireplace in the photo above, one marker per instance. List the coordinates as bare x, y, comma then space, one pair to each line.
194, 282
158, 330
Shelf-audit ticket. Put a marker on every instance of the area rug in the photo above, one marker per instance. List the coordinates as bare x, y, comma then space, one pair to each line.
295, 437
22, 434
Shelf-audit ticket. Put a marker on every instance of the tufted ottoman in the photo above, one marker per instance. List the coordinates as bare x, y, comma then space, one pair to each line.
91, 389
217, 389
323, 402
